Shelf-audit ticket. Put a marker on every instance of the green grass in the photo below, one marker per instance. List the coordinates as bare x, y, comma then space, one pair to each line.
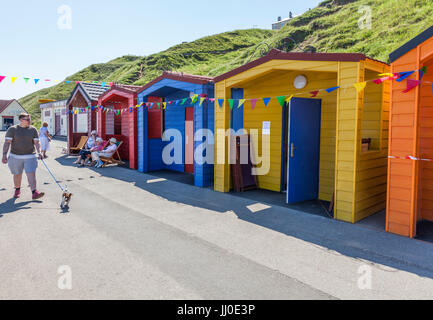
330, 27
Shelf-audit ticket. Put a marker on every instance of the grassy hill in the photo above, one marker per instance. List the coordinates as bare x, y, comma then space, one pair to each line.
330, 27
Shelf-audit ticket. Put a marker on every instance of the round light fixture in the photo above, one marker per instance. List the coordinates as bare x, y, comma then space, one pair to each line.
300, 82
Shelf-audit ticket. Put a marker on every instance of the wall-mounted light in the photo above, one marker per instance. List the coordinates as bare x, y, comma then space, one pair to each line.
300, 82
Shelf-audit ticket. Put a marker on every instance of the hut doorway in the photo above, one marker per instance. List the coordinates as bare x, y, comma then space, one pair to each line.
304, 125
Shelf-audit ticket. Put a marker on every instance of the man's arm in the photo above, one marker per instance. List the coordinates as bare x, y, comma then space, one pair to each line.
38, 148
6, 147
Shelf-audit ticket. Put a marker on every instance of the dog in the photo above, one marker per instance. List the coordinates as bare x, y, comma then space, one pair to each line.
66, 198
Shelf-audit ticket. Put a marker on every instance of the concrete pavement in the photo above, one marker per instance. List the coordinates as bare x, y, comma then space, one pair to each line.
129, 235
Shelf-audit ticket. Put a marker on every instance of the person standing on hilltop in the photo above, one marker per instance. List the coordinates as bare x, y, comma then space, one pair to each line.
22, 139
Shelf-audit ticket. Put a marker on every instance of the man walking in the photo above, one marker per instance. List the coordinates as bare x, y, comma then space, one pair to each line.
22, 139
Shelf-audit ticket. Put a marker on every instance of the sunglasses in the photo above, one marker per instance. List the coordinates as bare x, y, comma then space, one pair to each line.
25, 119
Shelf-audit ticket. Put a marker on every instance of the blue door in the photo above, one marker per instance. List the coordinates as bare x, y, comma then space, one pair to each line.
304, 150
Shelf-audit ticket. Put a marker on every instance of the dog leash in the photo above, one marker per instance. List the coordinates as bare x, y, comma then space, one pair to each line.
54, 178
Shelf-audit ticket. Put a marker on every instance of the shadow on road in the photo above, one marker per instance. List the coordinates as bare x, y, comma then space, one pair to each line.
356, 241
10, 206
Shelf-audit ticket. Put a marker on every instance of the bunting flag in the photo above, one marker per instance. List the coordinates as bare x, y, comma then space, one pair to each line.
314, 93
424, 69
159, 105
13, 79
36, 81
231, 103
220, 102
421, 74
164, 104
281, 100
381, 80
289, 99
386, 74
329, 90
26, 80
253, 103
2, 78
194, 99
212, 99
201, 101
360, 86
404, 75
241, 102
183, 101
266, 101
411, 84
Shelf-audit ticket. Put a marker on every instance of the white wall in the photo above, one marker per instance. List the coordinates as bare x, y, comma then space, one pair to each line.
13, 110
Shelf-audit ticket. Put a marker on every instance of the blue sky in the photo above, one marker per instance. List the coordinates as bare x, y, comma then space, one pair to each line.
34, 46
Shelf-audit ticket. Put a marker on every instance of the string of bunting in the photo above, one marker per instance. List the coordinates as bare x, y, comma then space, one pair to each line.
39, 80
399, 77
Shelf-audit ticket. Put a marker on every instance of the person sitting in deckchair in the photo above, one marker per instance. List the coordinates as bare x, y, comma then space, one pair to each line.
85, 155
89, 145
107, 152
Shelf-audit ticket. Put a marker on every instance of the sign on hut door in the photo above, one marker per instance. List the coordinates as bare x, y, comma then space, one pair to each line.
189, 140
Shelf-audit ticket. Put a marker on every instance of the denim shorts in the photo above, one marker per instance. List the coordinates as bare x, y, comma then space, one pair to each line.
17, 166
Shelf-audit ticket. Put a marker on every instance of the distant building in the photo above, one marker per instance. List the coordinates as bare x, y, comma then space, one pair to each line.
54, 113
281, 22
9, 112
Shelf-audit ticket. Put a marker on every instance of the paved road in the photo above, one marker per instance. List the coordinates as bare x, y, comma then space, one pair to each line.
129, 235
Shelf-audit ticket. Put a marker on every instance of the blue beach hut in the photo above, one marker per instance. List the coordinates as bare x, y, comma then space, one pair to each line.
174, 109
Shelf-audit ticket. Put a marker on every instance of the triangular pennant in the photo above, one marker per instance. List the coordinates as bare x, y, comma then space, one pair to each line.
314, 93
212, 99
2, 78
404, 75
281, 100
201, 101
381, 80
360, 86
36, 81
329, 90
289, 99
103, 84
253, 103
241, 102
159, 105
424, 69
386, 75
266, 101
231, 103
194, 98
164, 105
151, 105
13, 79
26, 80
220, 102
411, 84
183, 101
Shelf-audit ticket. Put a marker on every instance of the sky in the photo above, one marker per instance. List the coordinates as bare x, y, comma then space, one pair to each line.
53, 39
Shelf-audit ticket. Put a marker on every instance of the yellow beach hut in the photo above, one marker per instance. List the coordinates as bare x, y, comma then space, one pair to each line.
321, 144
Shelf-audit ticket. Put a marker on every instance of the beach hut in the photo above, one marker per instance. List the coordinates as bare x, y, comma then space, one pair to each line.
117, 117
179, 102
410, 179
328, 145
81, 111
